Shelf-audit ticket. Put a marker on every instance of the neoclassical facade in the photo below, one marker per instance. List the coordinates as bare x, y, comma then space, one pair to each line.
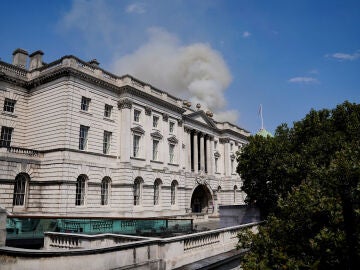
77, 140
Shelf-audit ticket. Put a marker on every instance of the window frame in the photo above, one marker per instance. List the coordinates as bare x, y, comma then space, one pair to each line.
137, 191
172, 153
6, 136
171, 127
9, 105
20, 190
137, 115
85, 104
136, 150
155, 152
108, 111
216, 164
83, 137
157, 192
107, 142
80, 190
155, 124
105, 191
173, 192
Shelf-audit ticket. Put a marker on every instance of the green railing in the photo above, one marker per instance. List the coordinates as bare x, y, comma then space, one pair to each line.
31, 228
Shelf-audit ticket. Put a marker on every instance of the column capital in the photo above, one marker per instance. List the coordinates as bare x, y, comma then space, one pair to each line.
187, 129
224, 140
148, 110
125, 104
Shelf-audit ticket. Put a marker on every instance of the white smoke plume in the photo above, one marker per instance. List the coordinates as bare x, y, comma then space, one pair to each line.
195, 72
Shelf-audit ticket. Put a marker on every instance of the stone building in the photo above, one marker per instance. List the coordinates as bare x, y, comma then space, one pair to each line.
77, 140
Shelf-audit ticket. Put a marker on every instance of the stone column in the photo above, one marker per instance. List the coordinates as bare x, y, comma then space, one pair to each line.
188, 147
208, 155
3, 216
195, 138
202, 152
125, 106
226, 157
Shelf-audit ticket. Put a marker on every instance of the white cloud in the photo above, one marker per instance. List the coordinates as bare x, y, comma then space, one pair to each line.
195, 72
344, 56
138, 8
303, 80
93, 18
246, 34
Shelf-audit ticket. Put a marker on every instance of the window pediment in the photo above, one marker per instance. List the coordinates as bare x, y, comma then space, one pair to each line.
156, 135
173, 139
138, 130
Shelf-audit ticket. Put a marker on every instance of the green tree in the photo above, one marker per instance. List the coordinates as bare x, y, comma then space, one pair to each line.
306, 181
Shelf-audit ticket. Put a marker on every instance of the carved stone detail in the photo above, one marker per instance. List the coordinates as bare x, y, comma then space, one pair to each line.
224, 140
180, 122
138, 130
125, 104
232, 156
165, 117
187, 129
156, 135
217, 154
148, 110
173, 139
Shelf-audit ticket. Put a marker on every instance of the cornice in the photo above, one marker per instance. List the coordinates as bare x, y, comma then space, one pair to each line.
173, 139
138, 130
156, 135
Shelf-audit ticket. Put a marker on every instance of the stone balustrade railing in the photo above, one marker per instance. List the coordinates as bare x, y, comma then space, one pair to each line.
54, 240
23, 151
111, 251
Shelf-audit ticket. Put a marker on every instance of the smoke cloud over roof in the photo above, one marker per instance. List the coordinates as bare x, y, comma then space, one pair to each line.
195, 72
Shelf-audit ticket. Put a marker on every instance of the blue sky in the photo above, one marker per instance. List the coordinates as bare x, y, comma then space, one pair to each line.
289, 56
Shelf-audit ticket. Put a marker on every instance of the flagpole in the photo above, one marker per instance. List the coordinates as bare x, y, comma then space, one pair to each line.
261, 117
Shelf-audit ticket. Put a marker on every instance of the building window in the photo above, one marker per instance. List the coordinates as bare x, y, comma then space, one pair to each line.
155, 149
155, 121
20, 187
157, 188
235, 190
105, 183
83, 136
85, 103
232, 166
136, 145
9, 105
107, 111
215, 144
171, 127
216, 164
231, 146
137, 191
106, 142
173, 192
80, 190
137, 115
6, 133
171, 153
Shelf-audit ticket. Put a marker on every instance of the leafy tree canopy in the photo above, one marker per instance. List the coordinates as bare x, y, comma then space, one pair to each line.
305, 180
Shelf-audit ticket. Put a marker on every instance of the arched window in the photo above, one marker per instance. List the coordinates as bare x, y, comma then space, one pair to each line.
235, 189
157, 191
105, 190
137, 191
20, 189
174, 185
80, 190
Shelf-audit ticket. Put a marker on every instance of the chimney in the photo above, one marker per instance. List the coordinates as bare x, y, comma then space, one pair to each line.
94, 63
36, 60
20, 58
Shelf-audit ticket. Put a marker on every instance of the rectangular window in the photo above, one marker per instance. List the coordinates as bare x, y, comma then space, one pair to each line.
155, 149
85, 103
171, 127
137, 115
136, 145
106, 142
232, 166
83, 136
6, 133
155, 121
9, 105
231, 146
216, 164
107, 111
215, 144
171, 153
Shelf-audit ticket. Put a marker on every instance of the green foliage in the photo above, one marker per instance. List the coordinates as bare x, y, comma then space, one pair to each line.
306, 181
